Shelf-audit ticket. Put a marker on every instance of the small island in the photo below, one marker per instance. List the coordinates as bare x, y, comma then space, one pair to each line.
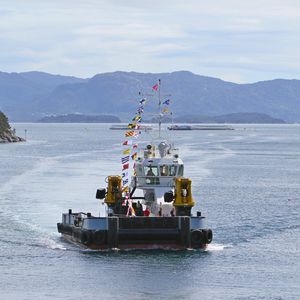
80, 118
7, 134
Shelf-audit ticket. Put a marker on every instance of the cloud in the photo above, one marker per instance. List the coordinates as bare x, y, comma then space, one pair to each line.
248, 41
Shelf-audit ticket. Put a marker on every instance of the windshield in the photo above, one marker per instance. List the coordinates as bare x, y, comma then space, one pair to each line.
168, 170
151, 175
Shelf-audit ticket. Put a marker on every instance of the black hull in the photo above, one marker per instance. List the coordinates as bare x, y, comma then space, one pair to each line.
142, 233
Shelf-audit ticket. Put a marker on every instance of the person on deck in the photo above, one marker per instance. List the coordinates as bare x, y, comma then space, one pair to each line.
152, 179
150, 172
147, 212
139, 209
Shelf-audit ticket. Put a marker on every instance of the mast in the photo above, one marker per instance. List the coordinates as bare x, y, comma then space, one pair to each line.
159, 109
160, 113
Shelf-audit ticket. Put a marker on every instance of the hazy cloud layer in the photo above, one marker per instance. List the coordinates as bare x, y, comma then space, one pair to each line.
232, 39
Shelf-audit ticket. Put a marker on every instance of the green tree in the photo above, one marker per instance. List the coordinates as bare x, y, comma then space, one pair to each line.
4, 125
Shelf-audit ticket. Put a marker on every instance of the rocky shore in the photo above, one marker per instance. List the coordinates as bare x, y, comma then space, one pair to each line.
7, 135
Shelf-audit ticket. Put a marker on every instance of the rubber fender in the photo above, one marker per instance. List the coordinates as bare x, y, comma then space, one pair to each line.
99, 237
84, 237
208, 235
66, 229
100, 194
90, 236
197, 237
59, 227
168, 197
63, 228
76, 233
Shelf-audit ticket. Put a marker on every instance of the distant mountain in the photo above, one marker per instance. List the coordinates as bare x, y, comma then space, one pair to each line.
21, 93
243, 118
78, 118
30, 96
235, 118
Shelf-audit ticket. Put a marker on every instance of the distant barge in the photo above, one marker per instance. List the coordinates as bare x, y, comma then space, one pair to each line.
200, 127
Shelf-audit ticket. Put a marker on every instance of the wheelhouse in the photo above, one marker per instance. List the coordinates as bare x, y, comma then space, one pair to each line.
158, 168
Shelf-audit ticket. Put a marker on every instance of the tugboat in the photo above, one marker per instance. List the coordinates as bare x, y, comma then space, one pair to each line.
153, 212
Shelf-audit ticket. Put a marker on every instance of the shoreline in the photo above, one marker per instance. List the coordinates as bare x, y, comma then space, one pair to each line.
9, 137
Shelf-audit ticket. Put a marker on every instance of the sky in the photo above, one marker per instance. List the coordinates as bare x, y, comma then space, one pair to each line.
235, 40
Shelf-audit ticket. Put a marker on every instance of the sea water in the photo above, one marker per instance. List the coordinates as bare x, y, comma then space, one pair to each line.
246, 182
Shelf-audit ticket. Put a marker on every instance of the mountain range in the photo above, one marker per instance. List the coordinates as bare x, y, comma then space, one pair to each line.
79, 118
29, 96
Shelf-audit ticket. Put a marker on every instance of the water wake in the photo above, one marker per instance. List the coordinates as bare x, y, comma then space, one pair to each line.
52, 244
217, 247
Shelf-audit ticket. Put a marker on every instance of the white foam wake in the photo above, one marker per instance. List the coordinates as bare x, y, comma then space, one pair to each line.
217, 247
51, 244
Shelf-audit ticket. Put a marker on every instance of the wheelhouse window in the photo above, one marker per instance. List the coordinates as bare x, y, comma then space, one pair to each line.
151, 173
168, 170
139, 170
172, 170
180, 170
164, 170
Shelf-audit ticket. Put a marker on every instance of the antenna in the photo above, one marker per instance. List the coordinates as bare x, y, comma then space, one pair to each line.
160, 115
159, 109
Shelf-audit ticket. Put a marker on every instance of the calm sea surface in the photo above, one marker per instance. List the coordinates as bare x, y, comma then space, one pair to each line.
246, 182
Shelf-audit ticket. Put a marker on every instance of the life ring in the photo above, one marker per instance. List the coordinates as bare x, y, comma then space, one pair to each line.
99, 237
197, 237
